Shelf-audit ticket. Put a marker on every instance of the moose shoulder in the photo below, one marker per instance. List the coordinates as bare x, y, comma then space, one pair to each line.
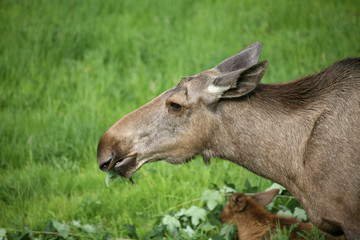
304, 134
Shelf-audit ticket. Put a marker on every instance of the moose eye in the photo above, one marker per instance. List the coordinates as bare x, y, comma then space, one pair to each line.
175, 106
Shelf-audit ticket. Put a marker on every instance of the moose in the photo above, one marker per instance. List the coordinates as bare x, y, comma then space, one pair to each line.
303, 134
254, 222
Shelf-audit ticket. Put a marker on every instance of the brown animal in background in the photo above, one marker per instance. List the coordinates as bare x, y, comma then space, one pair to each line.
304, 134
255, 223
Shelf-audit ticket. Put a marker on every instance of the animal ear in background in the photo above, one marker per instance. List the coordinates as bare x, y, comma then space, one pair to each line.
238, 202
264, 198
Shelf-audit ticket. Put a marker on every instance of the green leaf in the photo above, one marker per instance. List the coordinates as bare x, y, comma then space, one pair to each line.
171, 224
300, 214
248, 188
285, 213
228, 231
111, 176
76, 223
276, 186
217, 237
158, 233
3, 234
227, 189
88, 228
132, 231
189, 231
196, 214
212, 198
180, 213
214, 216
208, 227
62, 228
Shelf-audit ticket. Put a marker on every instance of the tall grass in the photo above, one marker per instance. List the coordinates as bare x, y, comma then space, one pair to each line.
70, 69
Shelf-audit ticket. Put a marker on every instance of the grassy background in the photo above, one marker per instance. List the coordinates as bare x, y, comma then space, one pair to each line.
70, 69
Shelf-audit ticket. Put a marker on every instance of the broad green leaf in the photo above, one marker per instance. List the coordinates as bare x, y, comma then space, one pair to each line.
227, 189
208, 227
3, 234
196, 214
276, 186
88, 228
189, 231
228, 231
170, 221
300, 214
62, 228
250, 189
212, 198
76, 223
285, 213
184, 218
180, 213
213, 216
171, 224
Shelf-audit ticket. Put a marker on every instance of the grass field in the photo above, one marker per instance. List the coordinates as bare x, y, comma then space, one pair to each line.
70, 69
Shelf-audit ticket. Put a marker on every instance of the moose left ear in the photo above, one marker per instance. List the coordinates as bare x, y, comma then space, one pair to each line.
238, 83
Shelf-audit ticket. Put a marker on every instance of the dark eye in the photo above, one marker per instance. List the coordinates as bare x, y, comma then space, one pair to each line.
174, 106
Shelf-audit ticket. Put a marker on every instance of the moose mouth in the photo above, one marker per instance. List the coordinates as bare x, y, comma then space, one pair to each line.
124, 161
128, 165
125, 167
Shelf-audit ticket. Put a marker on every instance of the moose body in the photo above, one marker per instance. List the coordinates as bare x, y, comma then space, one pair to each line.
255, 223
304, 134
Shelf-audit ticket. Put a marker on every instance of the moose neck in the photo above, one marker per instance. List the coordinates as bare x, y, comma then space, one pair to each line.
263, 135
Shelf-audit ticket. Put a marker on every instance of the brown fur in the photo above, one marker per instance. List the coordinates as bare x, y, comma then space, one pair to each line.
335, 81
304, 134
255, 223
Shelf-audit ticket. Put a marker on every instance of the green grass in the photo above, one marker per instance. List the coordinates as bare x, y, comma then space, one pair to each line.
70, 69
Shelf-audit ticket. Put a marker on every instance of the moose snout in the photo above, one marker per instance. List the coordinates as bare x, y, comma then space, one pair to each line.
105, 153
112, 149
104, 166
105, 160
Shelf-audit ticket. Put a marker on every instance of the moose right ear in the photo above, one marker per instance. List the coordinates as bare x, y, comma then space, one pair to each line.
244, 59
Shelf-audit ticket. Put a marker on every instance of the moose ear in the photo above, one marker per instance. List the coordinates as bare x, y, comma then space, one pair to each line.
244, 59
264, 198
238, 83
238, 202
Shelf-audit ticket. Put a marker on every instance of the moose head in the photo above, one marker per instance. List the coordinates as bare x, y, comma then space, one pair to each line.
184, 121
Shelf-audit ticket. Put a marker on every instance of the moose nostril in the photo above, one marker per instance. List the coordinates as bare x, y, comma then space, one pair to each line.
104, 166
